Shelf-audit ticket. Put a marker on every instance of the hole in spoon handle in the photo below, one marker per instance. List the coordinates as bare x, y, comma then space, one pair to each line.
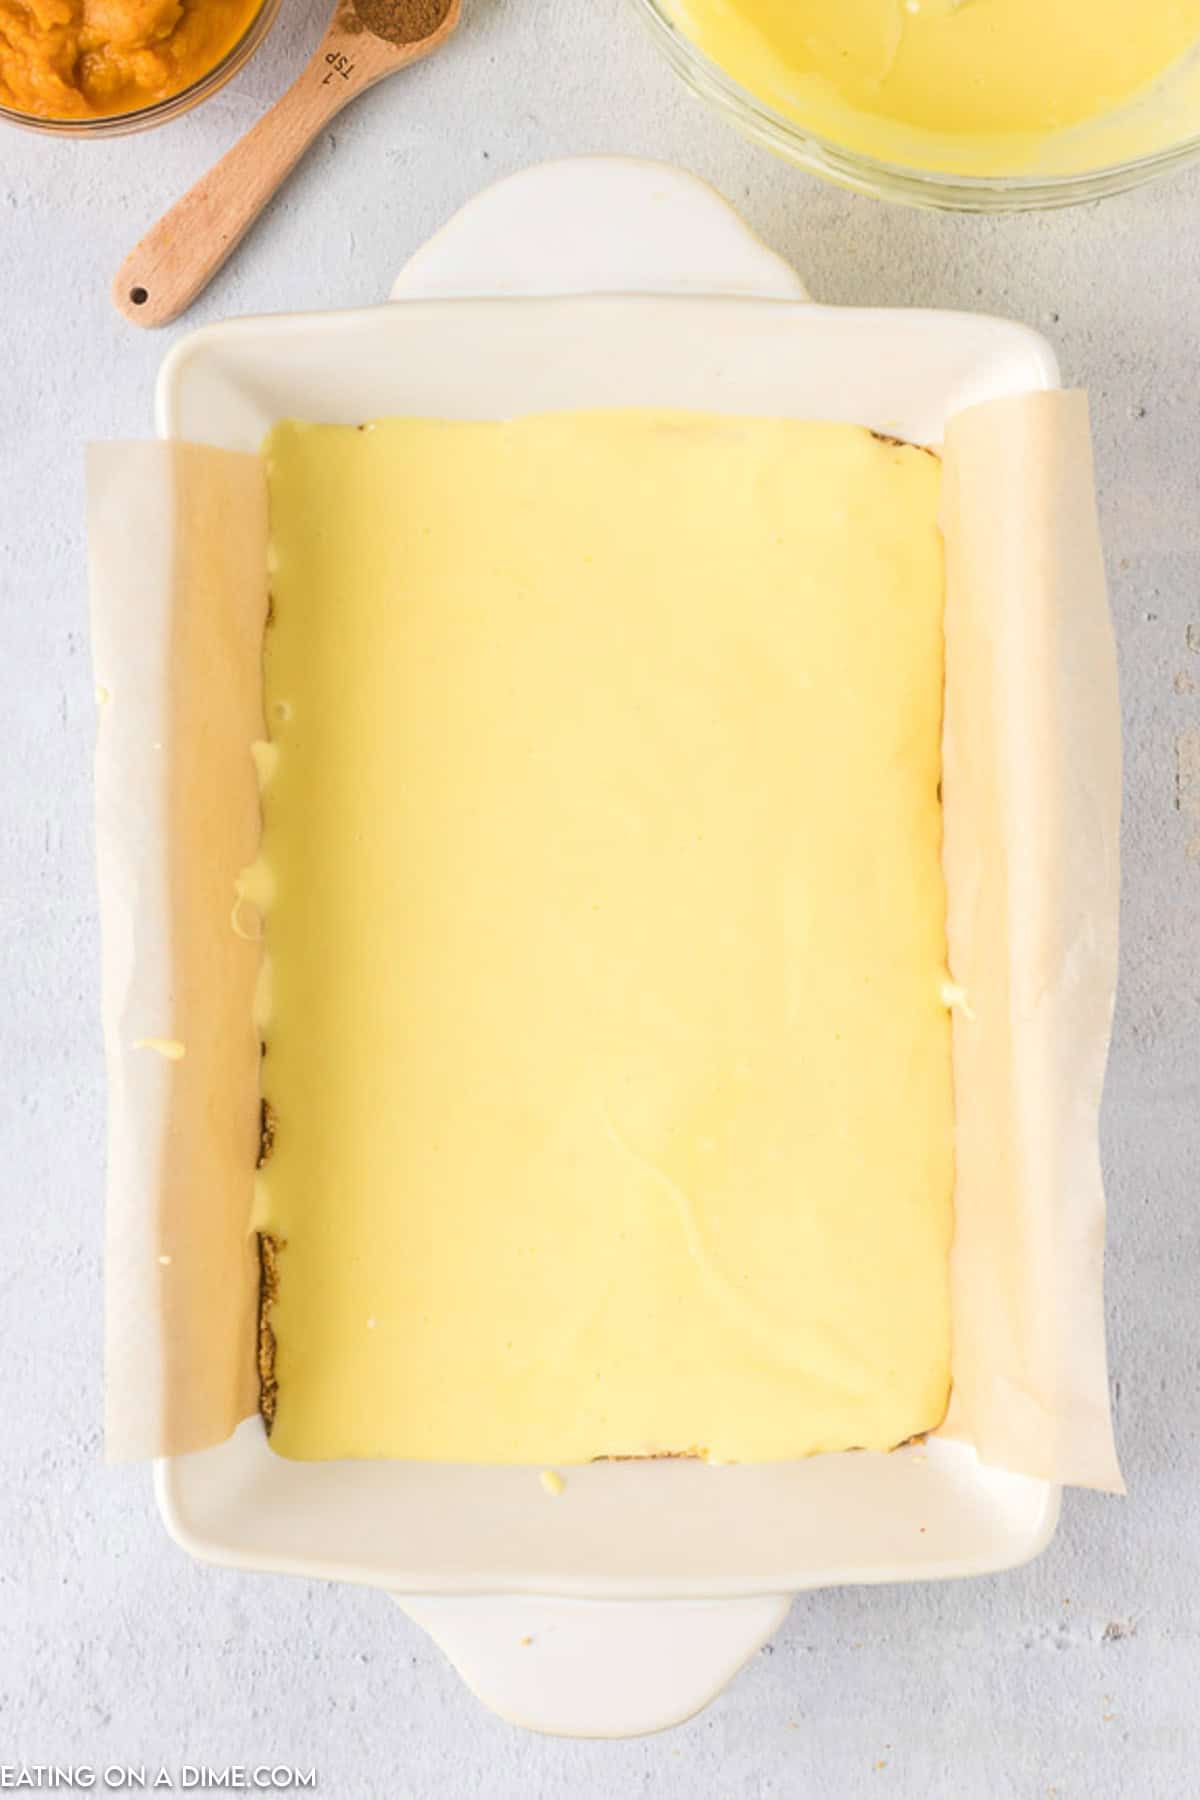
136, 298
161, 277
132, 298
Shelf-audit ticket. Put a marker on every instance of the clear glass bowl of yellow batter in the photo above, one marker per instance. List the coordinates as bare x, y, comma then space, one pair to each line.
1174, 136
160, 112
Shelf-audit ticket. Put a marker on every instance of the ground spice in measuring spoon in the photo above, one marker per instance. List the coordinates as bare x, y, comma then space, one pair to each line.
402, 21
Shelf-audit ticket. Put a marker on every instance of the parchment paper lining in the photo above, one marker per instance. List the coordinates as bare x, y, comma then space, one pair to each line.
177, 540
1031, 785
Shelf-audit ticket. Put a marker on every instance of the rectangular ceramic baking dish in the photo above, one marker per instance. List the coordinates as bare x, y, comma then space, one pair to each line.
600, 283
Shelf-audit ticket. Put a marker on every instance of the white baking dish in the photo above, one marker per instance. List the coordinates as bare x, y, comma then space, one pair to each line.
644, 1587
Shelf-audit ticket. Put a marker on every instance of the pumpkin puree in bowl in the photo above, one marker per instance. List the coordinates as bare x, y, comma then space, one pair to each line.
91, 59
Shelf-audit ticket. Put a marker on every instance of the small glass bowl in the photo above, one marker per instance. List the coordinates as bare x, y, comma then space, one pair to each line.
145, 118
889, 181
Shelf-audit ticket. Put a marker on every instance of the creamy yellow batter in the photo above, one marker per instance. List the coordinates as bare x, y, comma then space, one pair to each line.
607, 1043
975, 86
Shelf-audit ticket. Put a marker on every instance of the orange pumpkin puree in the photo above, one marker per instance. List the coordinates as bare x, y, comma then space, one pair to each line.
89, 59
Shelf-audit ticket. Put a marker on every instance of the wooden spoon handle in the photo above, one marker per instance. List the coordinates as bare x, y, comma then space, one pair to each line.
179, 255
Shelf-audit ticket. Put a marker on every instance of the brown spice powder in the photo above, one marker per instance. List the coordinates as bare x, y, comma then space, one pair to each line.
402, 21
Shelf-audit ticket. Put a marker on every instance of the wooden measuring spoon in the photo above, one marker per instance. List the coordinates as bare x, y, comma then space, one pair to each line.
178, 257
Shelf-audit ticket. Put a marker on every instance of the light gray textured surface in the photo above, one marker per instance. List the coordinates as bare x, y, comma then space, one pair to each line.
1076, 1677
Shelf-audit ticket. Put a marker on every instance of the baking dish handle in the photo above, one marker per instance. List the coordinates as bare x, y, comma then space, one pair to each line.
597, 1668
597, 225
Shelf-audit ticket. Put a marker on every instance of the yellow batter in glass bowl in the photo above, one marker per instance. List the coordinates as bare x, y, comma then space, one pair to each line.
987, 105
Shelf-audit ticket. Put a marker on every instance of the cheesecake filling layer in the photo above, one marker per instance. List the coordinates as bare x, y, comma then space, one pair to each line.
607, 1031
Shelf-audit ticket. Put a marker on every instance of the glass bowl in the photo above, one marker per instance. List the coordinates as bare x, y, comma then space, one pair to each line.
144, 118
892, 181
